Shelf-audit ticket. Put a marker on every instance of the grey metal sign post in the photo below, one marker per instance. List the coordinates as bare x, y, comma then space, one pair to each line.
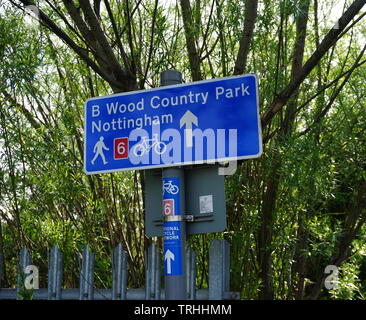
174, 227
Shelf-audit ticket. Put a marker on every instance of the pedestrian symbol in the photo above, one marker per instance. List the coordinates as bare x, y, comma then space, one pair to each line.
98, 150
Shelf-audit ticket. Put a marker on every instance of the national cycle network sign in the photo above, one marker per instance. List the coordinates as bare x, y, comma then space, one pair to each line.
201, 122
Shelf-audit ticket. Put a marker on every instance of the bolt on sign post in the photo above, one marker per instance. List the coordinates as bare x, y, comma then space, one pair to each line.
174, 227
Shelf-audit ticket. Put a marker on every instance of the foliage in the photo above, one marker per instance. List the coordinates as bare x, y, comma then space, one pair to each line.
313, 159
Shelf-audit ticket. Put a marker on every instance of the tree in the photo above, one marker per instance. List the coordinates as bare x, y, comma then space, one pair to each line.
281, 207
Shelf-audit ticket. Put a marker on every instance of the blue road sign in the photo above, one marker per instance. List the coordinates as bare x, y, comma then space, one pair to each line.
204, 121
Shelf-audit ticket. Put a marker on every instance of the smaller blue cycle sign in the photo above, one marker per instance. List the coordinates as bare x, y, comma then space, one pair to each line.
173, 244
201, 122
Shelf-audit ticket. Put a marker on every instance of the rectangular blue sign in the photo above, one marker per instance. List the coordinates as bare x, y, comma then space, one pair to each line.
200, 122
172, 248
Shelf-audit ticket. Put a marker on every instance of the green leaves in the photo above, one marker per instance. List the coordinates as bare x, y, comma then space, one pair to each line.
315, 168
19, 50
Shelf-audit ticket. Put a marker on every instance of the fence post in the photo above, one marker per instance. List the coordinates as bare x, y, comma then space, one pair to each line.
219, 269
25, 260
152, 289
191, 274
119, 273
87, 275
55, 266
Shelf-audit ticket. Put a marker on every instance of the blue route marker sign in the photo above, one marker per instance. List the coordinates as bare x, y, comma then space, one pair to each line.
172, 249
204, 121
173, 243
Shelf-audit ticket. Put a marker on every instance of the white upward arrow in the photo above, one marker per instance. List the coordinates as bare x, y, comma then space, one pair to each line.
187, 120
169, 256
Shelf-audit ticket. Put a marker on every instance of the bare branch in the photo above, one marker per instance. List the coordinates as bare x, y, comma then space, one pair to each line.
246, 39
336, 92
329, 40
151, 43
118, 37
194, 59
93, 22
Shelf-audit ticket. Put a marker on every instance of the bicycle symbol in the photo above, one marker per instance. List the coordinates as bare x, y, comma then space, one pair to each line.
146, 145
169, 187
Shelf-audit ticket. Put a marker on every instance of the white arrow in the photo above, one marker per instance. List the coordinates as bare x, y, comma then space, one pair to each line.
187, 120
169, 256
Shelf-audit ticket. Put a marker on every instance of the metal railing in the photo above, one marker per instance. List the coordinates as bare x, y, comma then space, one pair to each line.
219, 277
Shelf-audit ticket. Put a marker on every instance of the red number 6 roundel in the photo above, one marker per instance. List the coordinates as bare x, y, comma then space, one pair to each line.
168, 207
120, 148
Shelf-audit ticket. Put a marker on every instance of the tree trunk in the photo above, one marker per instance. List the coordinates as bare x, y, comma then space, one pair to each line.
194, 59
246, 39
265, 234
270, 196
